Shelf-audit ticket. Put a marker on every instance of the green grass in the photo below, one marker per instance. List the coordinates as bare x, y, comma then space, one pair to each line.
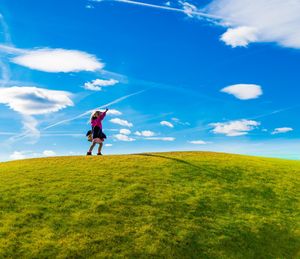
163, 205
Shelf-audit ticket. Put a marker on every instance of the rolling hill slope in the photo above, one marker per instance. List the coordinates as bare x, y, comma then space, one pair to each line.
171, 205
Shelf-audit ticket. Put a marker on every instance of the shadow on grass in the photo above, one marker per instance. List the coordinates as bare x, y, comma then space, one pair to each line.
270, 241
172, 159
207, 171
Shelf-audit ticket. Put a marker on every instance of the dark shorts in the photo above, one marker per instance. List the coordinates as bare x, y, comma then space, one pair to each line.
98, 133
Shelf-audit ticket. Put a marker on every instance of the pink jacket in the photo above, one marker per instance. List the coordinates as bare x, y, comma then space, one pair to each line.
98, 121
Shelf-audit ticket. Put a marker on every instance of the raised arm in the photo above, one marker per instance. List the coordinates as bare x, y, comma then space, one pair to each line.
103, 114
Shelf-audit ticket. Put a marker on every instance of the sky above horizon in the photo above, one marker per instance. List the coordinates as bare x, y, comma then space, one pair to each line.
213, 75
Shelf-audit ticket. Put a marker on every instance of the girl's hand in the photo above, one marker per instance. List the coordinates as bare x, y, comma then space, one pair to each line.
106, 109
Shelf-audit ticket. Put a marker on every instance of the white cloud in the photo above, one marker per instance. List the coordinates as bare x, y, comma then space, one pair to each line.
167, 123
145, 133
282, 130
198, 142
258, 21
108, 145
244, 91
240, 36
234, 128
114, 112
49, 153
33, 100
125, 131
17, 155
72, 153
122, 137
89, 6
58, 60
121, 122
161, 138
97, 84
29, 101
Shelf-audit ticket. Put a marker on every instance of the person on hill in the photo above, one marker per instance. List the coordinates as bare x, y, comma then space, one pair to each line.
98, 135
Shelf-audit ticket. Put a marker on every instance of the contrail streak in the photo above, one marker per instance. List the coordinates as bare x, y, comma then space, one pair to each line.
5, 72
8, 49
168, 8
6, 34
89, 111
274, 112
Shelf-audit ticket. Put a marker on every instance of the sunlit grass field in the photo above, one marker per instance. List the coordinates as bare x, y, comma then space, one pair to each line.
159, 205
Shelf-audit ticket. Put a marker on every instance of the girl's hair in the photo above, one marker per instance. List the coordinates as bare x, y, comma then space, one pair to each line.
94, 114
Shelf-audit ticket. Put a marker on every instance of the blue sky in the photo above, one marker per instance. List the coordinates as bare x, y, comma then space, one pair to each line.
181, 75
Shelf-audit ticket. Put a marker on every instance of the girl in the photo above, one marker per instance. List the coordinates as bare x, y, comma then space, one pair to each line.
98, 135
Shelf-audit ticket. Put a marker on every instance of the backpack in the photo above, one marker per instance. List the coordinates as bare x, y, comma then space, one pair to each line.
89, 136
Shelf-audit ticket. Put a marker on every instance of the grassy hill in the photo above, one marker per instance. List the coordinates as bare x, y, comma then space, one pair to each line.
170, 205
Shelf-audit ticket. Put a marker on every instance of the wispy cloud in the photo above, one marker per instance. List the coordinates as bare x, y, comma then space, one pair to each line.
89, 6
122, 137
98, 84
282, 130
121, 122
185, 9
189, 9
114, 112
169, 139
198, 142
125, 131
167, 124
145, 133
178, 121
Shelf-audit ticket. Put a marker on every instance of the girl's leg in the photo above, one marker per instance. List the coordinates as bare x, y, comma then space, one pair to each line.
91, 148
100, 148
